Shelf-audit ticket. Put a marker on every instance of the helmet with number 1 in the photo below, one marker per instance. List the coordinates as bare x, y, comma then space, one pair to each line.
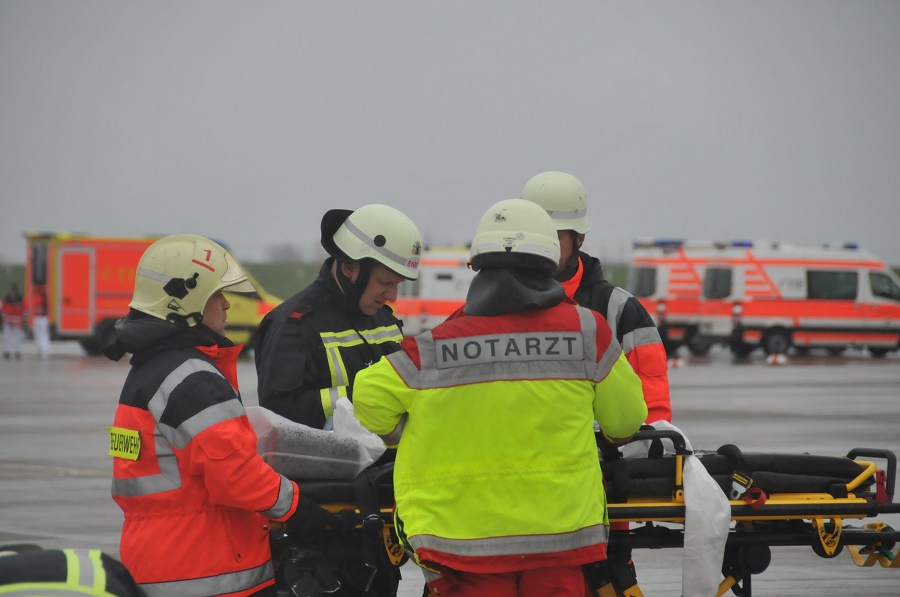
377, 232
178, 274
563, 197
515, 233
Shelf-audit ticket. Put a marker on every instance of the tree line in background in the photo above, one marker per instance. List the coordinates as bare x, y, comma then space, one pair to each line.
280, 278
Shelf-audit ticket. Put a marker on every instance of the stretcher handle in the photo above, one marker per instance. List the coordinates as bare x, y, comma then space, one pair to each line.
890, 469
651, 434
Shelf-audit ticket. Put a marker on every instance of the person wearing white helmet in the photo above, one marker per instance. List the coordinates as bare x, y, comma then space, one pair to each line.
186, 472
564, 198
310, 348
497, 484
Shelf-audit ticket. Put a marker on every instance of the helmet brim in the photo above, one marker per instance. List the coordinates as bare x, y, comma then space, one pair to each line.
243, 287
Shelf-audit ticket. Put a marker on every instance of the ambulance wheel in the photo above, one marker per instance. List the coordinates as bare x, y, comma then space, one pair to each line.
776, 341
698, 345
878, 352
742, 350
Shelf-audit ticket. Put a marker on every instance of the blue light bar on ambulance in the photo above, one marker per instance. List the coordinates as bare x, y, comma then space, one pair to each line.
742, 243
668, 242
662, 243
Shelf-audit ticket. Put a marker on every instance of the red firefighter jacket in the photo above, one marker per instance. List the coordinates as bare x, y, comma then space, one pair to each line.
197, 497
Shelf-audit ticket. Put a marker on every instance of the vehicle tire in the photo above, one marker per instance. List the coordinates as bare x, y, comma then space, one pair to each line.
742, 350
878, 352
836, 351
671, 348
776, 341
698, 345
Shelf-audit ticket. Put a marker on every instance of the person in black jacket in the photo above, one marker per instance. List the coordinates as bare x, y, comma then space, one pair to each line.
309, 349
28, 570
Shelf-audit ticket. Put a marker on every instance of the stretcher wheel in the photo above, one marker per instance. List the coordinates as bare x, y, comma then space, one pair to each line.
830, 535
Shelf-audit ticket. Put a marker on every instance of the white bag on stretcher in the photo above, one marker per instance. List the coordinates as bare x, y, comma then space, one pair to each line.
707, 518
301, 452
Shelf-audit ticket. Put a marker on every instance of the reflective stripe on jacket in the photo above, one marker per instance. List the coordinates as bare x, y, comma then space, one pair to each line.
65, 573
310, 348
197, 485
633, 328
497, 466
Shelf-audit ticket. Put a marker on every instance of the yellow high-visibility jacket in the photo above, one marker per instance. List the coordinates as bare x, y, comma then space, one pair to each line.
497, 467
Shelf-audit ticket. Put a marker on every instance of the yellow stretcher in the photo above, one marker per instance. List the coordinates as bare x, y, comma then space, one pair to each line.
786, 500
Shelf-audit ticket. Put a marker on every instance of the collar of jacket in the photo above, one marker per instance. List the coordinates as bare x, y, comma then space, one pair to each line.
145, 336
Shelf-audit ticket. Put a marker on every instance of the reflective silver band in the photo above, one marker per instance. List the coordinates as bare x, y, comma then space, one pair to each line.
567, 215
390, 255
514, 545
221, 584
480, 368
283, 503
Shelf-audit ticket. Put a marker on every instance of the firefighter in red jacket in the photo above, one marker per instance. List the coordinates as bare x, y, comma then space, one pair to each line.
197, 497
564, 198
13, 309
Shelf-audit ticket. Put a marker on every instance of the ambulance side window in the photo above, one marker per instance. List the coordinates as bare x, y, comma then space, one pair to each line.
642, 281
409, 288
831, 285
717, 282
884, 286
38, 264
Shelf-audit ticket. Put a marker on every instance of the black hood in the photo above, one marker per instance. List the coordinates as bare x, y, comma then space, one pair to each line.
497, 291
144, 336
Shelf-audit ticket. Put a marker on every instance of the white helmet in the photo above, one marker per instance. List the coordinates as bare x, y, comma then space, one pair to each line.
177, 274
564, 198
377, 232
515, 227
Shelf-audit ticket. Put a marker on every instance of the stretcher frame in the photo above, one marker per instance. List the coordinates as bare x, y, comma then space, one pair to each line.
814, 519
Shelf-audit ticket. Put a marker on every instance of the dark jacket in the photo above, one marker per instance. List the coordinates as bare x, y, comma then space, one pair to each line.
67, 573
634, 329
310, 348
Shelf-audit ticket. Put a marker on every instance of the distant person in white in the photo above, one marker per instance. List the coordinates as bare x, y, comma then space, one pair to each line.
40, 327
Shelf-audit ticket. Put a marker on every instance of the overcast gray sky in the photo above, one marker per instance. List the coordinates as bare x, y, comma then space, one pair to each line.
245, 121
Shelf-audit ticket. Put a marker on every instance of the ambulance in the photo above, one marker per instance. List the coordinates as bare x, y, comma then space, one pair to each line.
444, 278
779, 296
85, 284
666, 277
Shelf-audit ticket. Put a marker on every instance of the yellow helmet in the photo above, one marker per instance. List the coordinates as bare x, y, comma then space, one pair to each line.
377, 232
177, 274
511, 229
563, 197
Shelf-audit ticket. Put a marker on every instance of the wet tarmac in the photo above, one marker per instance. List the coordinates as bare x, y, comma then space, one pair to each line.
55, 472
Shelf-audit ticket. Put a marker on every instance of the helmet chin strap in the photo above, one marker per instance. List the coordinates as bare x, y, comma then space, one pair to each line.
353, 291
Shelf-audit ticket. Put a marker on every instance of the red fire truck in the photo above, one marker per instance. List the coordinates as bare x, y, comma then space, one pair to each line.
86, 282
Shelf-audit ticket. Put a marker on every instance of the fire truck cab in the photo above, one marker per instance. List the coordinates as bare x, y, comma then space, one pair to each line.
84, 283
444, 278
778, 296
